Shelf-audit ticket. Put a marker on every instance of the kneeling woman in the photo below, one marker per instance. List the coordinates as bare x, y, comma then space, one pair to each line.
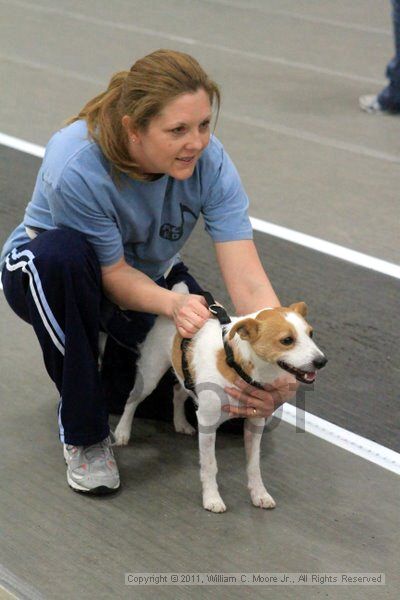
119, 191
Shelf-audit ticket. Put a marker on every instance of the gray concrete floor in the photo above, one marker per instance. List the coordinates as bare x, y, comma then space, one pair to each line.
336, 512
291, 73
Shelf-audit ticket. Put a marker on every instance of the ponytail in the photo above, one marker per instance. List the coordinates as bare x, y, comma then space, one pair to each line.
91, 111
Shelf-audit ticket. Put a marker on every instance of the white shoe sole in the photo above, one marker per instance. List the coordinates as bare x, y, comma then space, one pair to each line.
100, 490
97, 491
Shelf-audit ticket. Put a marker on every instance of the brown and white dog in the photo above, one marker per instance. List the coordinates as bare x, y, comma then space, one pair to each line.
265, 344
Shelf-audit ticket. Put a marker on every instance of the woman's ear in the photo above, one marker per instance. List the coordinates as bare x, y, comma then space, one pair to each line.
126, 122
128, 126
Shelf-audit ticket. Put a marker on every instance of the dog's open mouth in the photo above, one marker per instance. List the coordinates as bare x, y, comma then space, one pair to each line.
302, 376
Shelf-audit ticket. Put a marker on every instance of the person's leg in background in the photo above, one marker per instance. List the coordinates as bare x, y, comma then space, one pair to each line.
389, 97
388, 100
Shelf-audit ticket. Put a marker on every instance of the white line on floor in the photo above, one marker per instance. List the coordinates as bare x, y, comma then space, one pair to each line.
352, 442
356, 444
21, 145
16, 587
309, 241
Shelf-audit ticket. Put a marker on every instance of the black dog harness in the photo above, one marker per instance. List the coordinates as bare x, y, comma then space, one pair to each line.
224, 319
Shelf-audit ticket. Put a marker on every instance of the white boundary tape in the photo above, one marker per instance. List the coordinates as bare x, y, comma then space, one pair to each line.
16, 587
367, 449
356, 444
21, 145
357, 258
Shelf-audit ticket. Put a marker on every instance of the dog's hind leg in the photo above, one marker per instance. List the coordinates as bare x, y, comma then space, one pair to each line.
180, 422
155, 359
149, 373
253, 430
122, 432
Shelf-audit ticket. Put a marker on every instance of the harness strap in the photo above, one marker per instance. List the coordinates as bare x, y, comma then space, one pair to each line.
224, 319
230, 360
216, 309
188, 379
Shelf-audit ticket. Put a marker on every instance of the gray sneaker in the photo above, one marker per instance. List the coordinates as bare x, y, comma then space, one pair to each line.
92, 469
370, 104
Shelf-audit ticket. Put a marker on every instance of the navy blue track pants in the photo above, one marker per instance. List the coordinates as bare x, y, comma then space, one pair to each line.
54, 283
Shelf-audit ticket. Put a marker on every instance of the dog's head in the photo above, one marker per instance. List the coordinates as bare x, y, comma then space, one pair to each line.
283, 337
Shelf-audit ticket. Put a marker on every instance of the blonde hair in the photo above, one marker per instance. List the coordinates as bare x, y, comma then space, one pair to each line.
141, 93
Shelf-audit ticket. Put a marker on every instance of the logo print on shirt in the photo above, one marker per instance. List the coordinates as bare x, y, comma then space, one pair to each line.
171, 232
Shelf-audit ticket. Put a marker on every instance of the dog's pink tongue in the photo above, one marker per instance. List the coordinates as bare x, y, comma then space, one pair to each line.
311, 376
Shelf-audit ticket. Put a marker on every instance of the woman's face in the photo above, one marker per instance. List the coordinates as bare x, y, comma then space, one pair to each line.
175, 138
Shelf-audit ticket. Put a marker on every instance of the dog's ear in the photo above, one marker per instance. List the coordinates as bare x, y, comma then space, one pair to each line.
299, 307
247, 329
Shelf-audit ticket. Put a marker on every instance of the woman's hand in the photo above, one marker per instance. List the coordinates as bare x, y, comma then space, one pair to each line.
260, 403
189, 312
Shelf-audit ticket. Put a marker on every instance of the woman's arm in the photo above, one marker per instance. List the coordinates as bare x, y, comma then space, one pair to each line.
244, 276
133, 290
251, 290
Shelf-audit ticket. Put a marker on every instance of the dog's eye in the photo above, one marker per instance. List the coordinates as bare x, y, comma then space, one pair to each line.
287, 341
311, 333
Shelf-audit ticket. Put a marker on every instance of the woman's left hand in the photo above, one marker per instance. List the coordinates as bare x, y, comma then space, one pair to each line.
260, 403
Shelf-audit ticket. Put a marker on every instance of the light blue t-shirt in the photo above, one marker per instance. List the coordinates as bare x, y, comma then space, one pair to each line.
146, 222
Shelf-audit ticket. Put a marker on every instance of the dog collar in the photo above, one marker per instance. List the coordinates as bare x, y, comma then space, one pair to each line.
230, 360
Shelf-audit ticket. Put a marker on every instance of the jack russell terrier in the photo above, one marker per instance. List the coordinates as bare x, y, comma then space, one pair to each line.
260, 347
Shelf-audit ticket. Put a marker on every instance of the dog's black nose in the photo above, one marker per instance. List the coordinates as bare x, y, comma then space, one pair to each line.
320, 362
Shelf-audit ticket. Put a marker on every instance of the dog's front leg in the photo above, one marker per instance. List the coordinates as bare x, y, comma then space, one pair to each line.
253, 430
208, 418
208, 472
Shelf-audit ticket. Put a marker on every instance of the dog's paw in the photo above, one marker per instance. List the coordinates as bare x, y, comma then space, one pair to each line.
262, 499
121, 437
185, 428
215, 504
